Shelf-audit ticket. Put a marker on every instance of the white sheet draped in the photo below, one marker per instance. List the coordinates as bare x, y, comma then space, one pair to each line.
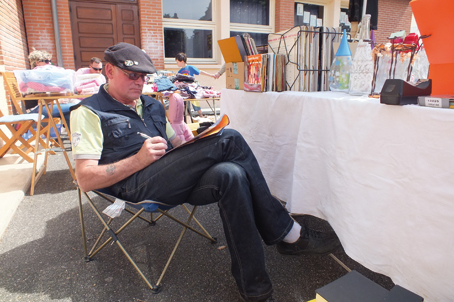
381, 175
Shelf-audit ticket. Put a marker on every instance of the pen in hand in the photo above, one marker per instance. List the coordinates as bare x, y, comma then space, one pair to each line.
143, 135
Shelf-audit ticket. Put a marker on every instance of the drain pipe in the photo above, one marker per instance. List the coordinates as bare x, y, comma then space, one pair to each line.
57, 33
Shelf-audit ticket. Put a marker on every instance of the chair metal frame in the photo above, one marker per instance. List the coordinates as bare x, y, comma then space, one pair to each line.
113, 234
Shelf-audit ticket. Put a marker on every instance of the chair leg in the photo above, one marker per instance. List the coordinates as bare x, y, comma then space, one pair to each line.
82, 225
104, 230
155, 288
37, 140
93, 253
208, 236
176, 247
212, 239
114, 239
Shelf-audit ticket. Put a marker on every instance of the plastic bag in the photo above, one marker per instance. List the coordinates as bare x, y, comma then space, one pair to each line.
420, 68
46, 78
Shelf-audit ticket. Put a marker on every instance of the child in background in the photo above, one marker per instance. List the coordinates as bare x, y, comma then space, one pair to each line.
190, 70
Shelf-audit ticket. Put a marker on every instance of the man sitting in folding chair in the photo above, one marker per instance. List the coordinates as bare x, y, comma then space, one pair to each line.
110, 151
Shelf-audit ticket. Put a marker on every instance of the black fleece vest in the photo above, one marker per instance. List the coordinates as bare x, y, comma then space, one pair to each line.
121, 125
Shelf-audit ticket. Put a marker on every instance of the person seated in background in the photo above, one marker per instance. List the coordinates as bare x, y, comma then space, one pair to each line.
94, 67
190, 70
219, 169
89, 79
43, 59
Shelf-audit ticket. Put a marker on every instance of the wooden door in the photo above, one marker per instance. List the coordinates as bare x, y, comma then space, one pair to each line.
97, 26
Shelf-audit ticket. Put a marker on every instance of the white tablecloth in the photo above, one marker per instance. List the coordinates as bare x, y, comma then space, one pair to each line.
382, 176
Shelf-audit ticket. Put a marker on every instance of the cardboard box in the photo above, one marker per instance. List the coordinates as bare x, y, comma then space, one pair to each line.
234, 75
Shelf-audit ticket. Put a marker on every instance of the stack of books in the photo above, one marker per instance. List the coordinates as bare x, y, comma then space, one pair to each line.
265, 72
235, 49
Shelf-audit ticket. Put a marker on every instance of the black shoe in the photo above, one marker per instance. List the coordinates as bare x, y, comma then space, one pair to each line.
310, 242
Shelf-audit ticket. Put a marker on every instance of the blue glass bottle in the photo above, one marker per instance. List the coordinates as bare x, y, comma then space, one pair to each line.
339, 73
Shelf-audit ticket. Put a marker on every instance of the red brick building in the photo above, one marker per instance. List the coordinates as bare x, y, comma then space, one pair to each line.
86, 28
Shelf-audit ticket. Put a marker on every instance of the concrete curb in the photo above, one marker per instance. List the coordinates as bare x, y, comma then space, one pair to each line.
16, 175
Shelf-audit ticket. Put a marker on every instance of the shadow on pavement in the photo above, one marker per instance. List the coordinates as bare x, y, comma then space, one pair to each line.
41, 256
52, 265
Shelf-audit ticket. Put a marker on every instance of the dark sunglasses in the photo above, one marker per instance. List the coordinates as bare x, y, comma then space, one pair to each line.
135, 76
46, 61
97, 69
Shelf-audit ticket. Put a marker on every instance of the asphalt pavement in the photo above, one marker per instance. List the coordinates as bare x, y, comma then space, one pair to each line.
41, 255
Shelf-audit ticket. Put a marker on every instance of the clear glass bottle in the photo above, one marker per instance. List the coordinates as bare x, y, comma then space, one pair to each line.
339, 73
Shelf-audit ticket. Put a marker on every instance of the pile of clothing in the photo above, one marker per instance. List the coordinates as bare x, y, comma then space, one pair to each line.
88, 83
47, 78
187, 86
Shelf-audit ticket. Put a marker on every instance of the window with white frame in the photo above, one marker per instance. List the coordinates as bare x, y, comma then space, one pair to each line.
193, 27
303, 11
188, 28
317, 8
255, 17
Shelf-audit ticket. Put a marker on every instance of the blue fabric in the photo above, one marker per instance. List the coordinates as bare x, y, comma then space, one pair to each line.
148, 205
189, 70
220, 169
196, 108
65, 109
164, 83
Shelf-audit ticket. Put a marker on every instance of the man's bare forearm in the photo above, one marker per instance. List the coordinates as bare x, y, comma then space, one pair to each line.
91, 176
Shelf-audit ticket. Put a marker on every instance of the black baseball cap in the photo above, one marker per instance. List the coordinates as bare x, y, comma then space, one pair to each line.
129, 57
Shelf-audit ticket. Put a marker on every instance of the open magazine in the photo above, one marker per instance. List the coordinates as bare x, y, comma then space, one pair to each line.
215, 129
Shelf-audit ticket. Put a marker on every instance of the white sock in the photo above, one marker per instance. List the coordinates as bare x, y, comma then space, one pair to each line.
294, 233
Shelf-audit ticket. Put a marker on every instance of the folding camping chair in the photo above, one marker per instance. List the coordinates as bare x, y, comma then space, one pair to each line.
137, 210
14, 140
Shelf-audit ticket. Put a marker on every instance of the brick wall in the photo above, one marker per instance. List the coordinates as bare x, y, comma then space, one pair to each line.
284, 15
13, 43
151, 33
40, 29
393, 15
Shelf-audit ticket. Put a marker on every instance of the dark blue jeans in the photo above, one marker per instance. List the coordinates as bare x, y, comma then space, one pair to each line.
220, 169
